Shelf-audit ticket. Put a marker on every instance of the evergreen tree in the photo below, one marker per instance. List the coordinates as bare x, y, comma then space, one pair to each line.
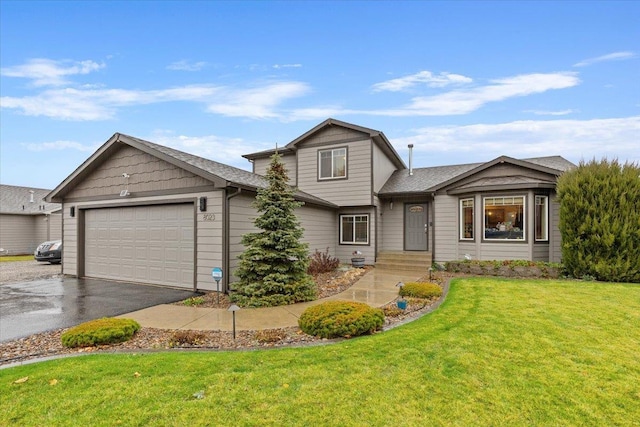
600, 221
273, 267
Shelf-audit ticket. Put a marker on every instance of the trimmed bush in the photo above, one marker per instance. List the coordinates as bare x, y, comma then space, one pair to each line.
600, 221
420, 290
333, 319
100, 331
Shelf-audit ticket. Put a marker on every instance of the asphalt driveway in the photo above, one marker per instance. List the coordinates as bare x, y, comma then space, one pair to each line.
41, 305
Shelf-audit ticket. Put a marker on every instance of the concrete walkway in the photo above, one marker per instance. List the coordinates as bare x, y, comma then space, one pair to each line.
376, 288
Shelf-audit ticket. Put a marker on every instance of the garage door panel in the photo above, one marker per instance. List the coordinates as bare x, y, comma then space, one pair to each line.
150, 244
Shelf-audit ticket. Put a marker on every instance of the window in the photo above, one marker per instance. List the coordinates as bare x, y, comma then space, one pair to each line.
466, 219
542, 218
504, 218
354, 229
332, 164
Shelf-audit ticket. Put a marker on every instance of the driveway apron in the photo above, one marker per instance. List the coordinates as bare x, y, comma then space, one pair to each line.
38, 306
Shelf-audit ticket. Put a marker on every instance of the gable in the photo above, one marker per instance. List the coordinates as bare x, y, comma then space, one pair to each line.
332, 135
147, 174
502, 176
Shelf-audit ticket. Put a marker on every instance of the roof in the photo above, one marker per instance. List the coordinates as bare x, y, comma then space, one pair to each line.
17, 200
377, 136
222, 175
433, 178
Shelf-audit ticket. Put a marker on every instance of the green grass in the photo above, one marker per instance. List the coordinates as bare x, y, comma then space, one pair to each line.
11, 258
498, 352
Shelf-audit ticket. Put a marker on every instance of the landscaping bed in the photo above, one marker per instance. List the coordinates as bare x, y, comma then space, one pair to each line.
507, 268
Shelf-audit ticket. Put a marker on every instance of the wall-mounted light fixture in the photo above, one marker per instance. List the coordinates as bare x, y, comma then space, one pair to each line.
125, 192
391, 205
72, 211
203, 204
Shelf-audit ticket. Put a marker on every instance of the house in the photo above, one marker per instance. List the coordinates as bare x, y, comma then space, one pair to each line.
26, 220
141, 212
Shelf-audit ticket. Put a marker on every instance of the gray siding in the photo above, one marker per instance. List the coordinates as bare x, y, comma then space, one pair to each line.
208, 232
147, 174
55, 226
319, 228
555, 238
540, 252
446, 224
353, 191
345, 252
382, 168
18, 233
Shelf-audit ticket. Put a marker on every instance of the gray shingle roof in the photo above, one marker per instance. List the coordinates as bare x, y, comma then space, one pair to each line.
426, 179
17, 200
230, 174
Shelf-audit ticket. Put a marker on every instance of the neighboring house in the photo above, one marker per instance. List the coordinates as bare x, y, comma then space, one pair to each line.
26, 220
142, 212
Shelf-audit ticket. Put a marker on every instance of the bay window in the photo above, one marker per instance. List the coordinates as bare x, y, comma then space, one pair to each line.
542, 218
466, 219
504, 218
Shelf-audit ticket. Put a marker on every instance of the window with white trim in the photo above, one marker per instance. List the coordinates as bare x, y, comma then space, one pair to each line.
542, 218
332, 163
354, 229
466, 219
504, 218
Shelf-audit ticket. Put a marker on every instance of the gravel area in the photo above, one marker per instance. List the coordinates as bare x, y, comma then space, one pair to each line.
150, 339
22, 271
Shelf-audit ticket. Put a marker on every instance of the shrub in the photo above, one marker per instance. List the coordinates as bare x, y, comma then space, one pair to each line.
333, 319
270, 335
599, 221
100, 331
181, 338
420, 290
322, 262
193, 301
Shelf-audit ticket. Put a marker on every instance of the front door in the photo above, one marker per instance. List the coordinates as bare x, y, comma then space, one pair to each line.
416, 226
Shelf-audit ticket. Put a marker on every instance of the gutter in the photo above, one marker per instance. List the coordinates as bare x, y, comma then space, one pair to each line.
226, 252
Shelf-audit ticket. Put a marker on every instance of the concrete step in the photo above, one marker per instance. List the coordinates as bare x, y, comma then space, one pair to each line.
404, 261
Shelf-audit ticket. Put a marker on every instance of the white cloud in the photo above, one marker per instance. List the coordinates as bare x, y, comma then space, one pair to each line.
60, 145
278, 66
572, 139
184, 65
616, 56
47, 72
257, 103
551, 113
423, 77
463, 101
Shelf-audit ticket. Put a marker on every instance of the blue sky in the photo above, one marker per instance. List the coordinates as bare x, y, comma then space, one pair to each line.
464, 82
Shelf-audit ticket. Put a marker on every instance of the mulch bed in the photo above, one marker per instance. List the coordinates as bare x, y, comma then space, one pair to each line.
48, 344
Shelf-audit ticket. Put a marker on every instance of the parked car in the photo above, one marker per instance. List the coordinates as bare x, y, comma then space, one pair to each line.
50, 252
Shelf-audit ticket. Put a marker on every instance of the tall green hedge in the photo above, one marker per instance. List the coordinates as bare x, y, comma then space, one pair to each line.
600, 220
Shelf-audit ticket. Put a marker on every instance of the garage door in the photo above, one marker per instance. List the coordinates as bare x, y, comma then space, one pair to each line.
147, 244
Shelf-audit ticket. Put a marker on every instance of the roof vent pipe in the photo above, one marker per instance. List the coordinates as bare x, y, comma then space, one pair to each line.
410, 159
31, 196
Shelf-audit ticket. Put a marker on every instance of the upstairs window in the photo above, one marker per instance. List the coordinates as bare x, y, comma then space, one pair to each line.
542, 218
354, 229
466, 219
332, 164
504, 218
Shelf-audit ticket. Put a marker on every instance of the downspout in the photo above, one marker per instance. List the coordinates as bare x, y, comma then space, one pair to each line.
226, 252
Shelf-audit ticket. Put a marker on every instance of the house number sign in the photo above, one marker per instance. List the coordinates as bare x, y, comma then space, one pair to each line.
208, 217
416, 209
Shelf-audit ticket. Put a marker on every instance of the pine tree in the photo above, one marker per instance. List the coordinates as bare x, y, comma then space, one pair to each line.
273, 268
600, 221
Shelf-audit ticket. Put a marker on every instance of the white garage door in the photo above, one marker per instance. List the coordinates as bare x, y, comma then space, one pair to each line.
147, 244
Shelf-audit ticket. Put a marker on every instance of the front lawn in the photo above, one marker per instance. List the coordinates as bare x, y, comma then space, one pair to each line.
498, 352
